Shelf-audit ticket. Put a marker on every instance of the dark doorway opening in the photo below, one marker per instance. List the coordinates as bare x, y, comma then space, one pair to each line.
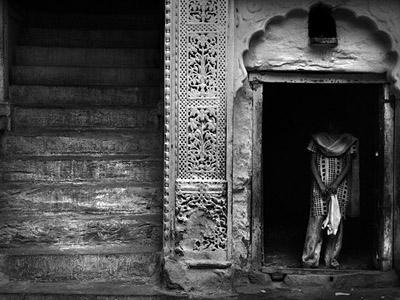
291, 113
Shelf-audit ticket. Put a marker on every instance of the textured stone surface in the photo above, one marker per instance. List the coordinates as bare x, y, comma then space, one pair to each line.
75, 119
81, 143
83, 291
80, 229
81, 191
54, 96
379, 18
93, 21
90, 38
242, 174
128, 57
205, 281
50, 75
100, 268
102, 198
284, 46
66, 169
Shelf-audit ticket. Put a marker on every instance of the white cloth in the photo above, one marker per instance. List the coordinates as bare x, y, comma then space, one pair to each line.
333, 218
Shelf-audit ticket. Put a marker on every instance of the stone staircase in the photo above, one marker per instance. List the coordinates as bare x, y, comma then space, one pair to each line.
81, 170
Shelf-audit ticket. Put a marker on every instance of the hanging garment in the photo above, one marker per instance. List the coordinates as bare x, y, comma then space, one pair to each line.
334, 217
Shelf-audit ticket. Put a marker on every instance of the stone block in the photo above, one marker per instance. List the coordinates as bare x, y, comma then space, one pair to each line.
83, 291
81, 169
132, 267
178, 275
93, 21
83, 143
103, 76
50, 37
61, 96
22, 199
78, 119
68, 229
89, 57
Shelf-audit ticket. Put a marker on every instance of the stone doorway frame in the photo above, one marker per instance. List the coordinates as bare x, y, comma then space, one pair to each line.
384, 255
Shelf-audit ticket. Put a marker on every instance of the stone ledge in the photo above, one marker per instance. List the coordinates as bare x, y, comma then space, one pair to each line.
330, 278
83, 290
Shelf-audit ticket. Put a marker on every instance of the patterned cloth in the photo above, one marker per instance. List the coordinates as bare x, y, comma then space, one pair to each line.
329, 168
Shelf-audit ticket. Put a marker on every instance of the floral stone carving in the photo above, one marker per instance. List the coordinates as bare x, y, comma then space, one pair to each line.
205, 202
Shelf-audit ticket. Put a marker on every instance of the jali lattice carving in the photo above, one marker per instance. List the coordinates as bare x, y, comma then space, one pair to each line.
201, 119
203, 11
202, 65
202, 83
202, 137
210, 198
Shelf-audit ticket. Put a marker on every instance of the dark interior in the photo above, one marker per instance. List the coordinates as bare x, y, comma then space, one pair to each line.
286, 166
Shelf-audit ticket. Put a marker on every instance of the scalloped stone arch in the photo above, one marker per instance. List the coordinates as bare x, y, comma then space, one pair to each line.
259, 26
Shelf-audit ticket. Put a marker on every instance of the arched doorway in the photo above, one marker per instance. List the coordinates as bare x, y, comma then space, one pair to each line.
281, 177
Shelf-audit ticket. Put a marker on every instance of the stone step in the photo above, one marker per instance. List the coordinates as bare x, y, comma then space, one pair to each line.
53, 96
81, 169
82, 143
92, 6
106, 76
114, 57
84, 291
53, 37
125, 197
26, 118
69, 230
74, 268
93, 21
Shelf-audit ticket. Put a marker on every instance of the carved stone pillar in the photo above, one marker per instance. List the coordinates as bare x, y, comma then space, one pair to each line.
196, 204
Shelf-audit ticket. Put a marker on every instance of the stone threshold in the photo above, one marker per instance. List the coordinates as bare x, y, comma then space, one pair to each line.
297, 277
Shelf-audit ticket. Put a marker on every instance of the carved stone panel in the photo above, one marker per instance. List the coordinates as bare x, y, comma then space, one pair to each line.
200, 200
201, 215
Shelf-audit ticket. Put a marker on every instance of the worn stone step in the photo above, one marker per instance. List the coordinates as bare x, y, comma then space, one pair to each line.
53, 96
53, 37
125, 197
82, 143
67, 230
115, 57
80, 169
84, 291
124, 267
93, 21
108, 76
85, 118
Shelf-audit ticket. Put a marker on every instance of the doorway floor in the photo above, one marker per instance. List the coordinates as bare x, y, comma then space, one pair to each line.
284, 248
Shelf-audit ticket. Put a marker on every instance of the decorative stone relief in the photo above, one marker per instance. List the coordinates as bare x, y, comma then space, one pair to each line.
252, 17
210, 199
202, 65
167, 125
202, 138
203, 11
202, 87
201, 118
